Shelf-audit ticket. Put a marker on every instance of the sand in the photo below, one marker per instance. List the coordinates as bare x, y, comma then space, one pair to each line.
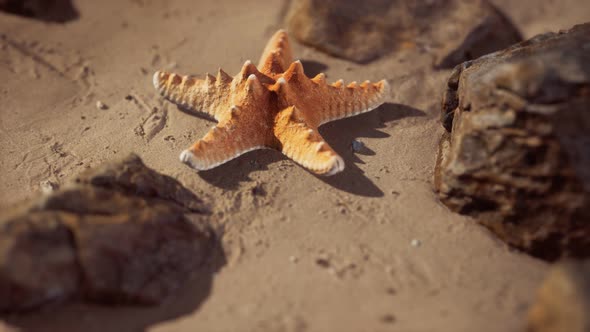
370, 249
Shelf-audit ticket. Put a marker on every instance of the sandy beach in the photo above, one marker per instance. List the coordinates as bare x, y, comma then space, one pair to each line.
369, 249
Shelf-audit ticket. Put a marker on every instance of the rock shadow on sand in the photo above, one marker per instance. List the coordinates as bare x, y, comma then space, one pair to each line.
339, 135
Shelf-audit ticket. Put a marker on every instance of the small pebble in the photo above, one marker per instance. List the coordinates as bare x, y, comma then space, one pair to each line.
389, 318
293, 259
357, 146
101, 106
47, 187
323, 262
415, 243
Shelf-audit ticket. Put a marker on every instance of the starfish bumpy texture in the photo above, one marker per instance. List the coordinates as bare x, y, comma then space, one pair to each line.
276, 107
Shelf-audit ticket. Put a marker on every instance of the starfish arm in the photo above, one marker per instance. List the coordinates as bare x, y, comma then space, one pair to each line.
203, 96
327, 102
304, 144
277, 54
224, 142
344, 101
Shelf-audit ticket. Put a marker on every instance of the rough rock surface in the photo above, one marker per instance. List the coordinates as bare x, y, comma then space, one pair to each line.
361, 31
117, 234
563, 301
517, 151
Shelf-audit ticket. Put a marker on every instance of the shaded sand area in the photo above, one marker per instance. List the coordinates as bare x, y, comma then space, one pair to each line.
370, 249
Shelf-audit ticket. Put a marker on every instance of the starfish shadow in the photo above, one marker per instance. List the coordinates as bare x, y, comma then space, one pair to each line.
79, 316
339, 135
312, 68
199, 115
229, 175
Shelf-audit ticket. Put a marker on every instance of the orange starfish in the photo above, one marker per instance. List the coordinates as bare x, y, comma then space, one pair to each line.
276, 107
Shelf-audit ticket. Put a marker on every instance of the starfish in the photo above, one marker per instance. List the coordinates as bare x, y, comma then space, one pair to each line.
276, 107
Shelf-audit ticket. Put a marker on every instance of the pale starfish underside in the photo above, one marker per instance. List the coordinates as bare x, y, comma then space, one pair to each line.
276, 107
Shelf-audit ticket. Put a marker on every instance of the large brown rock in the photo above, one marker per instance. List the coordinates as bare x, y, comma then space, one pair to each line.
563, 300
517, 152
121, 233
455, 30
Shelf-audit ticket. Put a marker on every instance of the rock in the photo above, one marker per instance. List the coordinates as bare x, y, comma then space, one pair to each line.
132, 177
563, 301
101, 106
517, 150
357, 146
48, 186
121, 233
38, 262
46, 10
455, 30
